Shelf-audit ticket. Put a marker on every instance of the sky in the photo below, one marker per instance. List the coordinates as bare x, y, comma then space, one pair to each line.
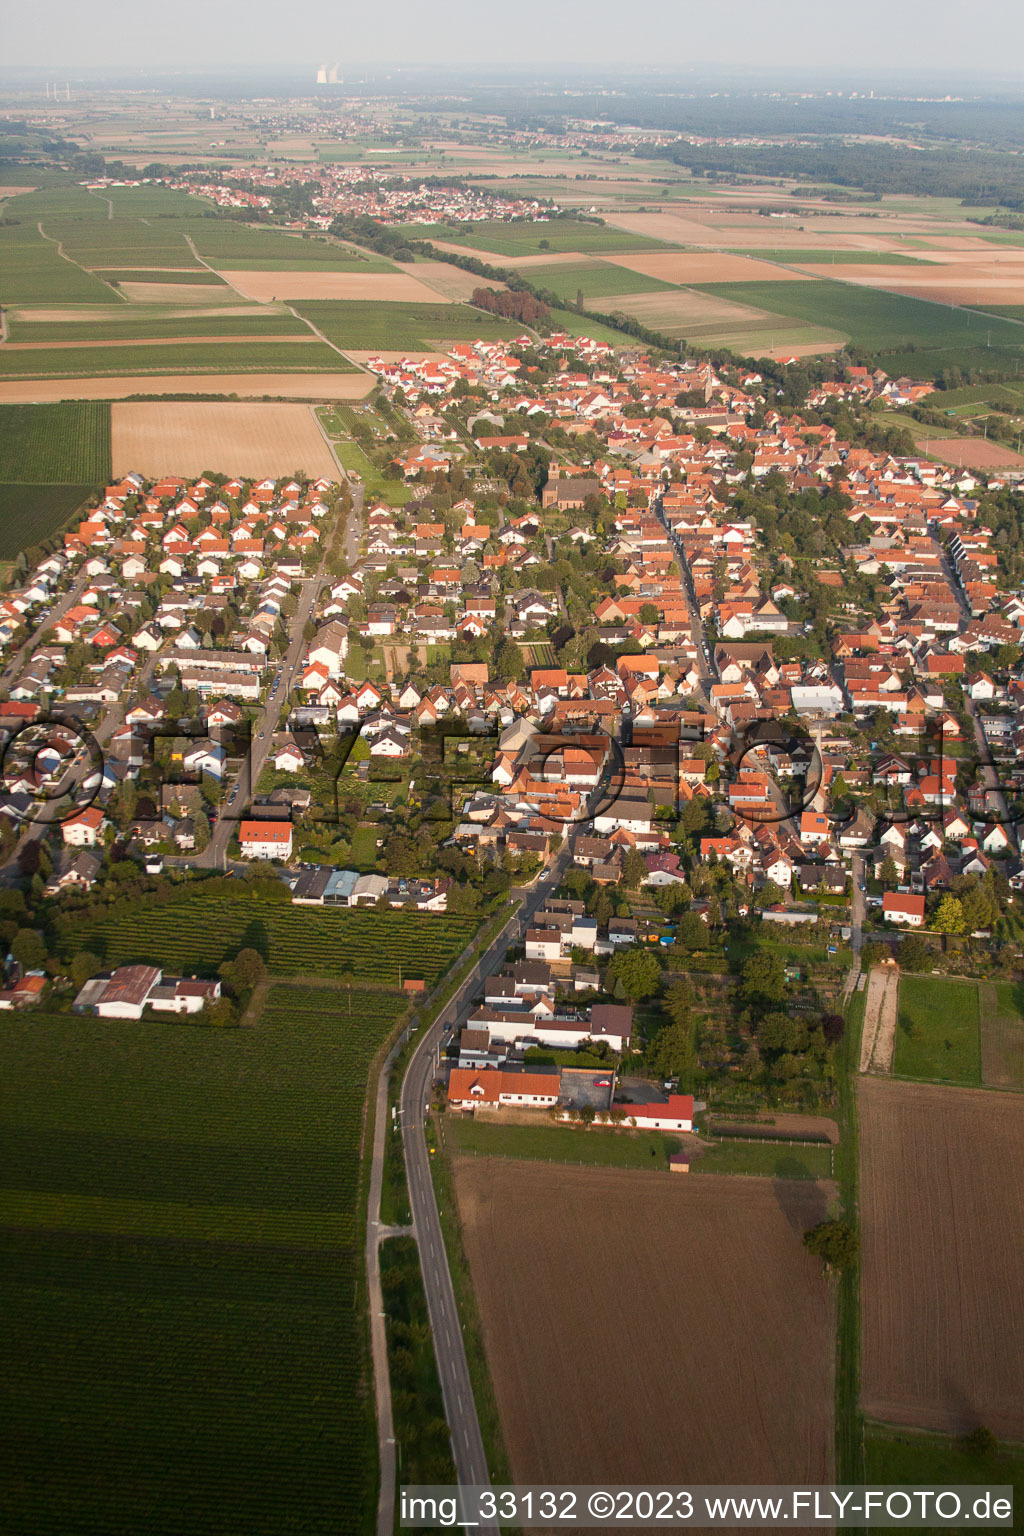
912, 36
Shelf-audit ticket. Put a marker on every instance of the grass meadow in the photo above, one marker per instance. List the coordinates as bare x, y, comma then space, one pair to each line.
938, 1038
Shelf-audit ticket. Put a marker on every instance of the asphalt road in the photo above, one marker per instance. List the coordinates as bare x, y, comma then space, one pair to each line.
40, 626
240, 794
453, 1370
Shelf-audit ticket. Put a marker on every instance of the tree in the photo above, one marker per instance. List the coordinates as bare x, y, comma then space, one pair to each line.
84, 967
247, 968
913, 953
691, 932
980, 1442
888, 873
508, 661
648, 613
950, 916
779, 1032
634, 869
833, 1027
28, 949
673, 1051
763, 980
768, 894
836, 1243
636, 971
679, 1000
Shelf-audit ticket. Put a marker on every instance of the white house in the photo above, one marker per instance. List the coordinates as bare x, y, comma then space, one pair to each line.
265, 839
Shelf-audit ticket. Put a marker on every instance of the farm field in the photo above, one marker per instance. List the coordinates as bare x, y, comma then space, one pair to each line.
244, 247
881, 322
51, 458
597, 279
1002, 1035
235, 439
798, 257
177, 277
937, 1031
165, 288
180, 1209
528, 239
539, 1238
378, 287
365, 325
199, 931
57, 444
131, 323
31, 513
32, 271
713, 322
280, 386
941, 1210
973, 452
451, 282
696, 267
229, 356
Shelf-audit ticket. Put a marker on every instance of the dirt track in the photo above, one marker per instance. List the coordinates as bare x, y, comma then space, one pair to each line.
942, 1288
881, 1010
644, 1326
186, 438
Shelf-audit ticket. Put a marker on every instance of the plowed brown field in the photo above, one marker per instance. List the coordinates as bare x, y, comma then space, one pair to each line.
942, 1289
974, 452
187, 437
703, 267
391, 287
643, 1327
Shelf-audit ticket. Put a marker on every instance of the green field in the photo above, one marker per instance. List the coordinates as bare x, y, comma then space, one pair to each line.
572, 324
194, 276
244, 247
561, 1143
884, 323
1002, 1034
31, 513
795, 258
52, 457
122, 242
285, 356
763, 1160
597, 280
529, 239
911, 1458
139, 322
67, 443
199, 931
363, 324
937, 1035
32, 271
182, 1276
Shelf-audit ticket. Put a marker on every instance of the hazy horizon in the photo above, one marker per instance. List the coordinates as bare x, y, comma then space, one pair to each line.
884, 40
